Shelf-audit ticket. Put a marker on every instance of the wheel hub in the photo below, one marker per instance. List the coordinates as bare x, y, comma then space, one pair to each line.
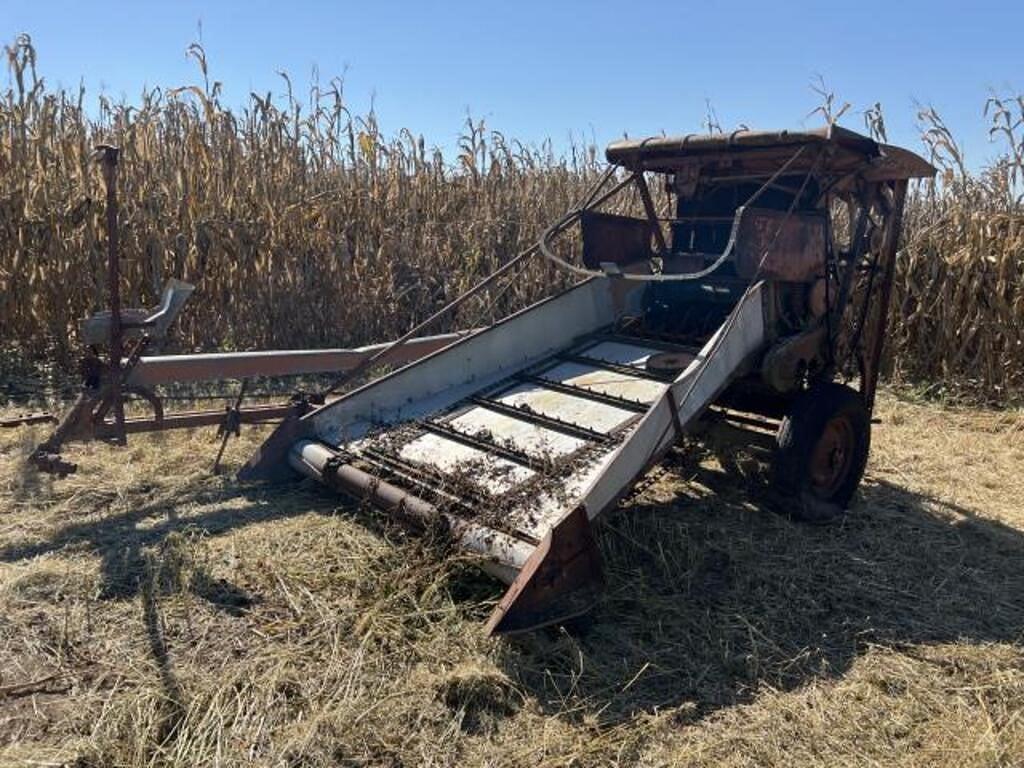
832, 456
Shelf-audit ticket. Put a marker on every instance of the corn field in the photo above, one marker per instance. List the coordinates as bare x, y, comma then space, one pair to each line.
959, 293
301, 224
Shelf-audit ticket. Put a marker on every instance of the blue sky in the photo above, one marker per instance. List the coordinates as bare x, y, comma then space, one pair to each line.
550, 69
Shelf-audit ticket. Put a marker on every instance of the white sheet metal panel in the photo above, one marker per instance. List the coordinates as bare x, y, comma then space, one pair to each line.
603, 480
442, 379
537, 515
534, 515
602, 471
607, 382
533, 440
694, 389
490, 472
600, 417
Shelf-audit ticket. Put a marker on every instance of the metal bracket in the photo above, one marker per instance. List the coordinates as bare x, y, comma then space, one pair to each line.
562, 580
232, 425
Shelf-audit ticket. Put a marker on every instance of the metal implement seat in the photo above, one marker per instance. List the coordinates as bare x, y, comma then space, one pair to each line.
95, 329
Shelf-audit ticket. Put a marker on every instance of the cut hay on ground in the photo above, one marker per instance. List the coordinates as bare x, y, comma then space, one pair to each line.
151, 614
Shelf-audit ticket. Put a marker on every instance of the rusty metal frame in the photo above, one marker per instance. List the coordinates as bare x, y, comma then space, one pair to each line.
562, 580
27, 419
652, 215
166, 369
878, 324
108, 156
106, 387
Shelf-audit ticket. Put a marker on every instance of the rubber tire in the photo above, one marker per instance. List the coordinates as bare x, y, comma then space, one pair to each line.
797, 437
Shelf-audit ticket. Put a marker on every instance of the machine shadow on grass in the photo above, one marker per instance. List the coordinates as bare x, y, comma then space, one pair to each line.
141, 551
147, 553
121, 540
711, 595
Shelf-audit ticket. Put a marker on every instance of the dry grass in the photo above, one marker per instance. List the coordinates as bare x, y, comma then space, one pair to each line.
959, 290
151, 614
303, 225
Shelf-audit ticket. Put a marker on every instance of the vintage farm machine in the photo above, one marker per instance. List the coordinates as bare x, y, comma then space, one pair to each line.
745, 298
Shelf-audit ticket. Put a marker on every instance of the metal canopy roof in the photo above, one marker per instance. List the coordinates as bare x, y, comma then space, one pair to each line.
767, 150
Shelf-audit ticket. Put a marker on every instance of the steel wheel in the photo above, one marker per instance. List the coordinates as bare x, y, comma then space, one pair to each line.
822, 451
